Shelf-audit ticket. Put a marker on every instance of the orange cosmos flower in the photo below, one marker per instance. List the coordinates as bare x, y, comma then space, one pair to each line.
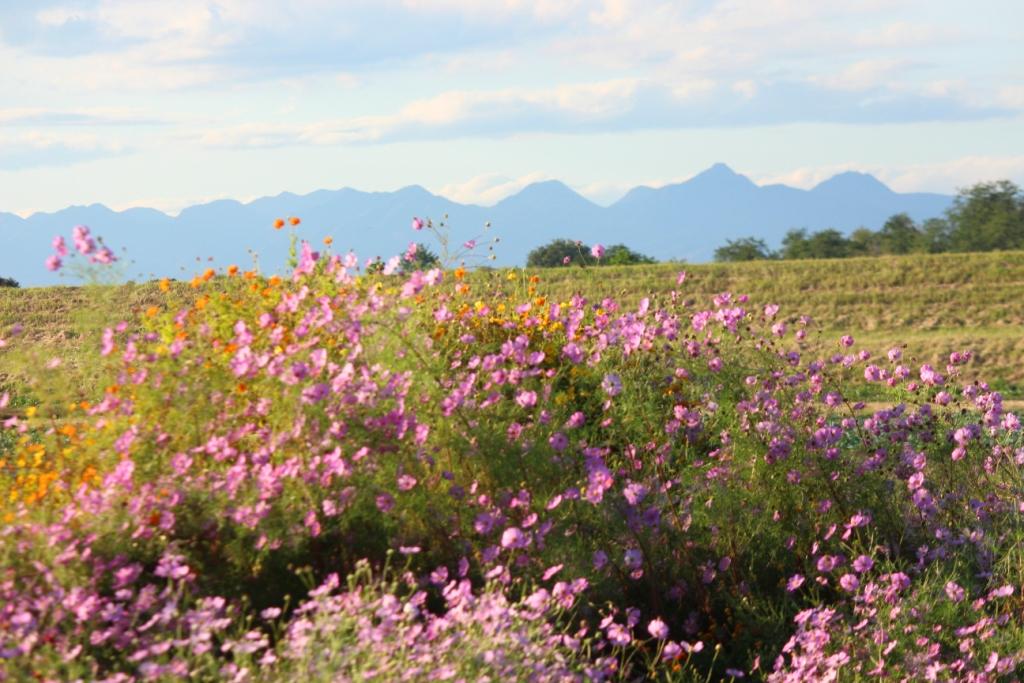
328, 240
165, 285
294, 220
232, 269
278, 224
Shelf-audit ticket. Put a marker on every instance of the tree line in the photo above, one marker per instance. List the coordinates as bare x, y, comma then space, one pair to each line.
984, 217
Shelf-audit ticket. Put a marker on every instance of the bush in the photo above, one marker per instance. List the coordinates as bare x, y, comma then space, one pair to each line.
682, 489
8, 282
562, 252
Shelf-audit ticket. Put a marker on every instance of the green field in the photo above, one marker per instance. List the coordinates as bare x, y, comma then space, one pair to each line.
933, 304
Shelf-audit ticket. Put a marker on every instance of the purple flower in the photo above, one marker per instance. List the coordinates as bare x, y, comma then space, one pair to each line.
863, 564
794, 582
513, 537
558, 441
827, 563
849, 582
611, 384
619, 635
658, 629
954, 591
527, 399
633, 558
846, 340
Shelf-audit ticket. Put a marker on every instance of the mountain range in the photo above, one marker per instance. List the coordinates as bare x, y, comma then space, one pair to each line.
685, 221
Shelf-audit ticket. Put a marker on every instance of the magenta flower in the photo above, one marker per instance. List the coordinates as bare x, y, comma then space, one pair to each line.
863, 564
417, 224
794, 582
104, 256
527, 399
597, 251
558, 441
513, 537
83, 242
53, 263
849, 582
566, 260
59, 246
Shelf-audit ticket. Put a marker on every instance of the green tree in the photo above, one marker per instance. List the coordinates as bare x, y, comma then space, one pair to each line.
555, 252
899, 235
8, 282
743, 249
621, 255
864, 242
936, 236
794, 244
829, 243
423, 259
987, 217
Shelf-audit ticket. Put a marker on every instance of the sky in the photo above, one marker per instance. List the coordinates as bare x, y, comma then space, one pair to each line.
167, 104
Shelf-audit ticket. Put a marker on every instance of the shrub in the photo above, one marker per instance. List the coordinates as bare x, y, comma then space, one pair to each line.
683, 489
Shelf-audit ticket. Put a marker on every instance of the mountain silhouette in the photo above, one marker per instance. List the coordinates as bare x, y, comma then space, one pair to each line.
686, 220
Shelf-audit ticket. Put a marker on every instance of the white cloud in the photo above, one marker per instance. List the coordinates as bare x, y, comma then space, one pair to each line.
36, 148
489, 188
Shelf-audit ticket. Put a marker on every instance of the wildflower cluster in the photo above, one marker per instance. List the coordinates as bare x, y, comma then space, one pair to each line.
575, 491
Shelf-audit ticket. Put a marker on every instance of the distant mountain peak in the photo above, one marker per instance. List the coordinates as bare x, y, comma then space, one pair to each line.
852, 181
720, 174
547, 191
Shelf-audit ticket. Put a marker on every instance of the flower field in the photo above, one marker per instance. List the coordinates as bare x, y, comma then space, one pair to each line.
337, 475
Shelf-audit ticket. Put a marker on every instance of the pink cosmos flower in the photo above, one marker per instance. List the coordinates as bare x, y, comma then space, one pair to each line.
954, 591
417, 224
566, 260
658, 629
59, 246
513, 537
53, 263
597, 251
863, 564
527, 399
849, 582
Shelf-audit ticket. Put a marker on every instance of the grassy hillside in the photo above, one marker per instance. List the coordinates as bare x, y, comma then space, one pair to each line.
933, 304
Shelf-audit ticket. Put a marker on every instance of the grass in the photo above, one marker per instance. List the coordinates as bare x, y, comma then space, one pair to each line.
930, 303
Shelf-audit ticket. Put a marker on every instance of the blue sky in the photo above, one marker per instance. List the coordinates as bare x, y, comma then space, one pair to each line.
165, 104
